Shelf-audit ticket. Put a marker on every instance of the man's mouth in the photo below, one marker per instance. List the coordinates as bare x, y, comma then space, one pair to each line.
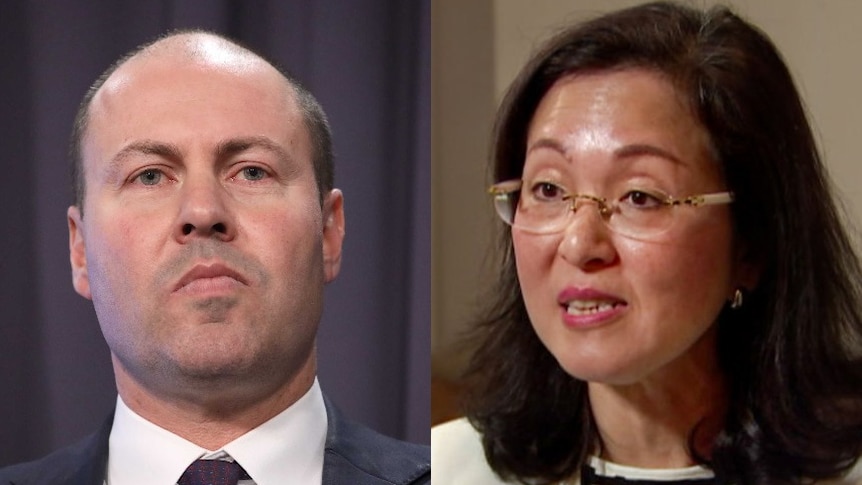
211, 273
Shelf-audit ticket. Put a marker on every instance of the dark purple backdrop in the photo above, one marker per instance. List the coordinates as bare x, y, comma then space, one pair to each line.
367, 61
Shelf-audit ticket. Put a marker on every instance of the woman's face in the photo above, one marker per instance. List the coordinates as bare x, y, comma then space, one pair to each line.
612, 308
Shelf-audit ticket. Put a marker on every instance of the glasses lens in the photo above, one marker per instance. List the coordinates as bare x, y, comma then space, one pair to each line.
530, 214
505, 204
637, 214
641, 214
641, 224
541, 216
634, 216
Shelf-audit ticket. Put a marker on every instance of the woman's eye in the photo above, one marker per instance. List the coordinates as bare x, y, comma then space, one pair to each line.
642, 199
547, 191
150, 177
253, 173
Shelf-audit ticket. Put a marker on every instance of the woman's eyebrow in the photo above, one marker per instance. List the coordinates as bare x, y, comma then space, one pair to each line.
641, 149
626, 151
547, 143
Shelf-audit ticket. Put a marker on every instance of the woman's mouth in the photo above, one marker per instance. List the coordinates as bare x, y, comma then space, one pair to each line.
590, 307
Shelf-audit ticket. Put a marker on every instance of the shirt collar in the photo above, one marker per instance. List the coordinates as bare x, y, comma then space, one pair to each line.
287, 449
609, 469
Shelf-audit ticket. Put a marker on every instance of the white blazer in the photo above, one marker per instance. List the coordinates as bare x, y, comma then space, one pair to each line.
458, 459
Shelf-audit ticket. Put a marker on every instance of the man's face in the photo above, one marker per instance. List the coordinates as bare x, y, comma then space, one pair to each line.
202, 242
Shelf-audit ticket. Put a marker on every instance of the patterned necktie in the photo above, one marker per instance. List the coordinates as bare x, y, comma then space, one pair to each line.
212, 472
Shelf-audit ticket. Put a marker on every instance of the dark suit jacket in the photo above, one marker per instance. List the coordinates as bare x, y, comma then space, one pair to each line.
353, 455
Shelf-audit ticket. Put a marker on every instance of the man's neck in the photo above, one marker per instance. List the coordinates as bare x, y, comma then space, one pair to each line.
213, 417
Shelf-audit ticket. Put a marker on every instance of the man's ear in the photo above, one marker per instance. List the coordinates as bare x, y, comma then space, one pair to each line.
333, 233
78, 253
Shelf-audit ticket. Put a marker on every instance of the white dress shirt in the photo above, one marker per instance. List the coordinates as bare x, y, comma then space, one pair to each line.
286, 450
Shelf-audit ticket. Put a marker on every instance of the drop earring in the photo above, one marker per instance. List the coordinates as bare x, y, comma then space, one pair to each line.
736, 302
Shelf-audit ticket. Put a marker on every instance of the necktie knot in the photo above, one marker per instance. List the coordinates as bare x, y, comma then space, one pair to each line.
212, 472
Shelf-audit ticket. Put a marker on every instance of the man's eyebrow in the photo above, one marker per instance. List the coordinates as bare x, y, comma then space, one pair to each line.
148, 147
141, 147
238, 145
172, 152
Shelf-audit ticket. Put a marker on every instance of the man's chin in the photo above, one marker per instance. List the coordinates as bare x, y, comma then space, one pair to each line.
218, 367
213, 309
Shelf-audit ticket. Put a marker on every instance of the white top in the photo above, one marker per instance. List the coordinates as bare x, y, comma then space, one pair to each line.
287, 449
458, 458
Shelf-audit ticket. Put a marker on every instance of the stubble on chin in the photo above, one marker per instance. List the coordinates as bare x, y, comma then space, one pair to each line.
216, 309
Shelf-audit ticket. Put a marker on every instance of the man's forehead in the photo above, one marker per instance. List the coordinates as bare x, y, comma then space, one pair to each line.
205, 49
172, 70
195, 51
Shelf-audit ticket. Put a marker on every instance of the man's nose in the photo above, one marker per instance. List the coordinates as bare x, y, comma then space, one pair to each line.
204, 210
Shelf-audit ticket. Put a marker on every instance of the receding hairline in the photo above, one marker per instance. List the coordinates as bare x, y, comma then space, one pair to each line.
196, 46
207, 49
202, 47
213, 50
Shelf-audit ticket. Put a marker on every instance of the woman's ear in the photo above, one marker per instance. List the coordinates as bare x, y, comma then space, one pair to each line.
749, 268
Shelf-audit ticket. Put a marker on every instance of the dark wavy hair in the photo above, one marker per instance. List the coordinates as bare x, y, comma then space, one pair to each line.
792, 354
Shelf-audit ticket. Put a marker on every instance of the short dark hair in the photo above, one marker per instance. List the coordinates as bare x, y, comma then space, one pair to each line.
792, 354
314, 118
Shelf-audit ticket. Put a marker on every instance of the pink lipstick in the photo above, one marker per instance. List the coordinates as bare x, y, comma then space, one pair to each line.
588, 308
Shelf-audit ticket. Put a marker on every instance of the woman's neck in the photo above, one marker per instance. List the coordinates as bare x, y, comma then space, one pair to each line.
650, 423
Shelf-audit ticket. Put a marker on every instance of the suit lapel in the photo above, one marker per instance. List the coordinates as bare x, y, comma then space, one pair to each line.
333, 461
357, 455
84, 463
93, 458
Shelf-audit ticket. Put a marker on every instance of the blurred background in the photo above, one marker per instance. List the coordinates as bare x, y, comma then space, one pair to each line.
478, 48
367, 61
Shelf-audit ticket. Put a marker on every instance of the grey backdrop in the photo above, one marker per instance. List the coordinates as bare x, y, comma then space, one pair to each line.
367, 61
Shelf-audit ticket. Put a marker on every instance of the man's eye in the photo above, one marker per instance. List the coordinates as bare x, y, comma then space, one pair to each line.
253, 173
150, 177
